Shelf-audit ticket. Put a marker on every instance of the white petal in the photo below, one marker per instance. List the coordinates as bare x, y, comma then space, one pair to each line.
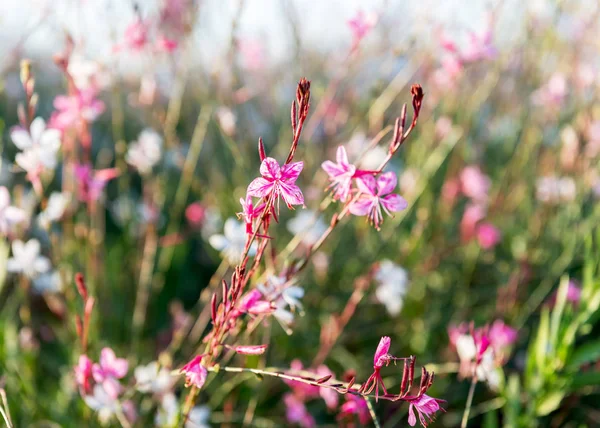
21, 138
37, 129
218, 242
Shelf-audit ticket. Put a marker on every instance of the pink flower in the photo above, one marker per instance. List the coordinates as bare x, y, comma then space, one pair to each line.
488, 235
252, 303
195, 373
381, 356
475, 184
305, 391
340, 174
250, 212
501, 337
573, 294
109, 370
135, 36
278, 181
71, 110
166, 44
377, 194
296, 411
90, 184
355, 405
471, 217
251, 350
195, 214
360, 25
426, 407
450, 190
253, 54
83, 374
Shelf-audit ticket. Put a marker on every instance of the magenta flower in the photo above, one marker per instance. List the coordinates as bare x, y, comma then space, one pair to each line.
426, 407
375, 195
83, 374
135, 36
340, 174
195, 372
253, 303
471, 217
381, 358
250, 212
305, 391
90, 184
360, 25
355, 405
278, 181
488, 235
71, 110
501, 336
296, 411
573, 294
195, 214
109, 370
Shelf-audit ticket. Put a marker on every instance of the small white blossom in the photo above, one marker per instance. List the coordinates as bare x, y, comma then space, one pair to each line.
153, 378
27, 259
392, 286
308, 226
101, 402
50, 282
57, 203
283, 294
39, 148
10, 216
144, 153
232, 242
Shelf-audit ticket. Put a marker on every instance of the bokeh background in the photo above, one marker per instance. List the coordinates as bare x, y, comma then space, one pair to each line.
510, 115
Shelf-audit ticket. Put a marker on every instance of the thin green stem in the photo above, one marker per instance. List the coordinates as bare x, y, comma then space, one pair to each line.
465, 417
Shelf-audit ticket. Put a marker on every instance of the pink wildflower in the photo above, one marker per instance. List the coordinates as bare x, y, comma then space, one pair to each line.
91, 183
252, 303
360, 25
296, 411
377, 194
426, 407
488, 235
474, 183
195, 214
340, 174
135, 36
109, 370
381, 358
305, 391
71, 110
250, 212
573, 294
501, 337
278, 181
83, 374
195, 372
355, 405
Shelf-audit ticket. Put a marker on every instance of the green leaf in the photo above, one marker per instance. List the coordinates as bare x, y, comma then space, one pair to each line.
541, 344
550, 403
586, 353
581, 380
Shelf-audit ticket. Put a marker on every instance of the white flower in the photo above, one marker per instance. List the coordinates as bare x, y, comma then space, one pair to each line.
27, 259
144, 153
232, 242
488, 370
87, 73
57, 203
101, 402
9, 215
283, 293
392, 286
553, 189
168, 411
227, 120
153, 378
50, 282
309, 227
39, 148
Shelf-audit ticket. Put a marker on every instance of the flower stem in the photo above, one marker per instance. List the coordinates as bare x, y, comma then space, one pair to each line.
465, 417
372, 413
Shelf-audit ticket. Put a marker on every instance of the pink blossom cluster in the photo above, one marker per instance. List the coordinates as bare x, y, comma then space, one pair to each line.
371, 197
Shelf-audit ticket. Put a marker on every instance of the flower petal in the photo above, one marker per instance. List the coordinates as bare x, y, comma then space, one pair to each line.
38, 125
290, 172
260, 187
291, 194
394, 203
21, 138
342, 157
367, 184
269, 169
386, 183
218, 242
332, 169
362, 206
42, 264
50, 137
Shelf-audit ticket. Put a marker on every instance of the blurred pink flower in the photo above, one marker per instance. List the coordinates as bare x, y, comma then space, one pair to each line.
83, 374
252, 303
355, 405
471, 217
501, 337
195, 214
552, 93
71, 110
296, 411
195, 372
375, 195
474, 183
488, 235
573, 294
253, 54
135, 37
451, 190
304, 391
91, 183
426, 407
278, 181
109, 370
166, 44
340, 174
360, 25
